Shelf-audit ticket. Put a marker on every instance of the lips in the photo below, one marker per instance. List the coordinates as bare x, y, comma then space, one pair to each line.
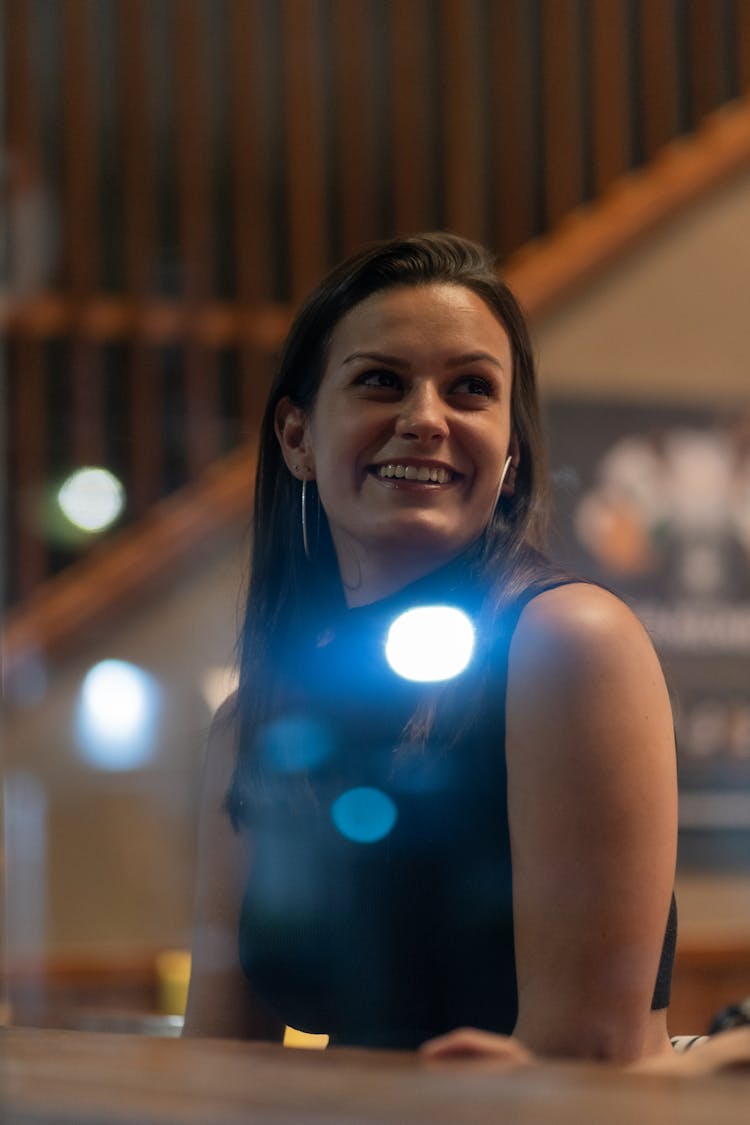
423, 474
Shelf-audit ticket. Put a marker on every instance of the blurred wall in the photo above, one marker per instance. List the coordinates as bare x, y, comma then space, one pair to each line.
670, 322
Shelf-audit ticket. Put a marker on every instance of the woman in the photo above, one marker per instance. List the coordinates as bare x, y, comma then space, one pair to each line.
396, 857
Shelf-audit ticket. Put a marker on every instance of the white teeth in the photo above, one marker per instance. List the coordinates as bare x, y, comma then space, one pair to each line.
413, 472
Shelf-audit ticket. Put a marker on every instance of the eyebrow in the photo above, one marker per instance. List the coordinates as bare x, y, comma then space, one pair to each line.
394, 361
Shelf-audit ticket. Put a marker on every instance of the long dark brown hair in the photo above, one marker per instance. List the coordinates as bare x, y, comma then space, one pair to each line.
285, 588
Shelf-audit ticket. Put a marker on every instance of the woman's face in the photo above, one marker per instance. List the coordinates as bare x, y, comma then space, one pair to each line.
410, 430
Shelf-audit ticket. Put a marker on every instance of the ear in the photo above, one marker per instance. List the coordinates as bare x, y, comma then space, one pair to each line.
293, 433
514, 452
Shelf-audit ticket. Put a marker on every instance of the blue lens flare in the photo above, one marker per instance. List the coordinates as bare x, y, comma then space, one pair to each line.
430, 643
364, 815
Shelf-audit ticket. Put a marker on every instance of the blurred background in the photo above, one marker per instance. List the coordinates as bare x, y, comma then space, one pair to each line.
176, 175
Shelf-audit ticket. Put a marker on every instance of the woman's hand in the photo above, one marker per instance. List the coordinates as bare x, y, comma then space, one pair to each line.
471, 1043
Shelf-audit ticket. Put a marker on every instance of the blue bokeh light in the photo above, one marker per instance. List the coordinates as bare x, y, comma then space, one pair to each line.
116, 717
294, 743
430, 643
364, 815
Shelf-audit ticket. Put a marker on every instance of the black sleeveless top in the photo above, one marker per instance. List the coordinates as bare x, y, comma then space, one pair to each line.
379, 904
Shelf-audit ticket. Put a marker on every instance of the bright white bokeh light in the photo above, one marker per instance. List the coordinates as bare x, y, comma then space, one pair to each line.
91, 498
117, 712
430, 643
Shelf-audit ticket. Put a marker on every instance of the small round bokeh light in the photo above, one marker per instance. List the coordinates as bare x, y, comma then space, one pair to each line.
91, 499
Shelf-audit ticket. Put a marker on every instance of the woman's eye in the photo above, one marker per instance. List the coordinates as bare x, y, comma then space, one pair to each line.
473, 385
379, 379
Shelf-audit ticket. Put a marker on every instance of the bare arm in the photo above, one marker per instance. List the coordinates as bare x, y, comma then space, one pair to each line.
220, 1000
593, 822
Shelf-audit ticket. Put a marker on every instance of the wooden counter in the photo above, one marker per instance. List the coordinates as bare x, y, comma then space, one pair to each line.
83, 1078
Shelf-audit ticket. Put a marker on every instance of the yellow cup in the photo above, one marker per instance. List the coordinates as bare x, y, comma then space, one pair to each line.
173, 977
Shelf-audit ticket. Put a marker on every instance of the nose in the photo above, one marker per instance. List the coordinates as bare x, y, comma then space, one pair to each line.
422, 415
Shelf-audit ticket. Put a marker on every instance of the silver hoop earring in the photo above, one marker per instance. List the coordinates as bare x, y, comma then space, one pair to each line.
310, 543
305, 542
503, 475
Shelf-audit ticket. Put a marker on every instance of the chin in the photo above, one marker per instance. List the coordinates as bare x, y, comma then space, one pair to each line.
414, 535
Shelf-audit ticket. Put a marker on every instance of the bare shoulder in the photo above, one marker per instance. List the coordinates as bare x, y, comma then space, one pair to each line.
581, 632
583, 674
577, 616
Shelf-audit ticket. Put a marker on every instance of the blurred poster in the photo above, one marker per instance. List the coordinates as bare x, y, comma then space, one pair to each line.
654, 502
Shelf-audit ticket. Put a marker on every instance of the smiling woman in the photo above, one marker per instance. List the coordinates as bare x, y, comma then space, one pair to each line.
490, 846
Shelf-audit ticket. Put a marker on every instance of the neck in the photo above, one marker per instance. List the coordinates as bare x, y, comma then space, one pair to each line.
369, 579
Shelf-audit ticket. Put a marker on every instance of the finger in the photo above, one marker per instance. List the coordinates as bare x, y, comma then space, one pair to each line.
470, 1042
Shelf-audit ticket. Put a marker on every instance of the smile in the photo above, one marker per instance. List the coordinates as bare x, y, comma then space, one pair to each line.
423, 473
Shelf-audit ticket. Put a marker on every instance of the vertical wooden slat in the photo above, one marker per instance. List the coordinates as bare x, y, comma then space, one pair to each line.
138, 169
251, 163
462, 106
30, 436
22, 102
304, 133
410, 115
29, 561
743, 44
610, 91
146, 433
512, 126
250, 151
705, 57
139, 193
189, 29
193, 147
81, 171
81, 212
659, 98
563, 124
356, 128
27, 371
87, 403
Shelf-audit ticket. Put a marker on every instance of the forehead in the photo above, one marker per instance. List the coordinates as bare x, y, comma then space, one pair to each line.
435, 317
